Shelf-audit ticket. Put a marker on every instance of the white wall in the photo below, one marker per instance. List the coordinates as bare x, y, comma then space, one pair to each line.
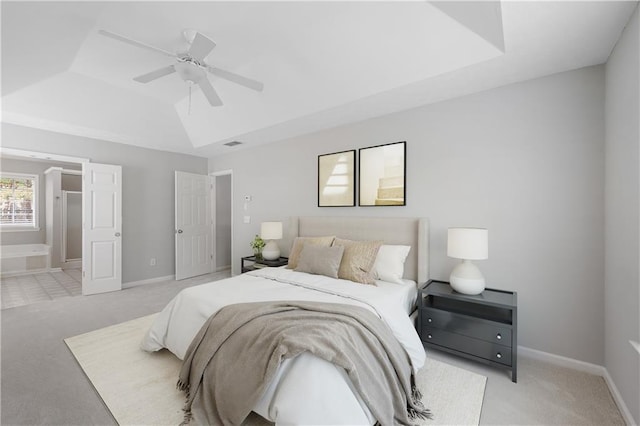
526, 161
148, 192
622, 277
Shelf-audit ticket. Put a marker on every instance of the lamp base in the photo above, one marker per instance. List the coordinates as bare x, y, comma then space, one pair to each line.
466, 278
271, 251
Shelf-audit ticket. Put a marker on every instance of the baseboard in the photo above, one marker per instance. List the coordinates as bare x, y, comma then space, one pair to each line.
562, 361
597, 370
615, 393
72, 264
30, 272
223, 268
148, 281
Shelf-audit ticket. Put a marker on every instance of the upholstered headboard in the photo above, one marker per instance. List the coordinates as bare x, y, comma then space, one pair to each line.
409, 231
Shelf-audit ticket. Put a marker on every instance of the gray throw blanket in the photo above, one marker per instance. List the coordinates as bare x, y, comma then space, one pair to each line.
236, 354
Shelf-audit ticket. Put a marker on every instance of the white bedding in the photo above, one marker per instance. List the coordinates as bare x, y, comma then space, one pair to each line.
405, 294
306, 390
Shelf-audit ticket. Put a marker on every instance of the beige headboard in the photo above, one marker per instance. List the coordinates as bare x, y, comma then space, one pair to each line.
409, 231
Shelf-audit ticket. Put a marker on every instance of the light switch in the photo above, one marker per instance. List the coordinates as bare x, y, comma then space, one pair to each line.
247, 219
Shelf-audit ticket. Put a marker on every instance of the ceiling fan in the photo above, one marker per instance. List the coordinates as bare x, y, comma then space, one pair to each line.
190, 65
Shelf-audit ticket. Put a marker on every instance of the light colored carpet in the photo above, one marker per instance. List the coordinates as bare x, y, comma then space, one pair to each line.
139, 387
23, 290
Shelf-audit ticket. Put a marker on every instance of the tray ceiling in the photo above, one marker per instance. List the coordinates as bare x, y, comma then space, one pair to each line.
323, 64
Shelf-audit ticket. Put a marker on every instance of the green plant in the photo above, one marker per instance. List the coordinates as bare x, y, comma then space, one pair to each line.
257, 244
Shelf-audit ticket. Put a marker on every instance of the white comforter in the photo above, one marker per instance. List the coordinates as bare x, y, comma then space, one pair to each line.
307, 389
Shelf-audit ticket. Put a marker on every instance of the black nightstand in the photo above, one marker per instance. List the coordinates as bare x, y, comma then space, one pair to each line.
253, 264
482, 328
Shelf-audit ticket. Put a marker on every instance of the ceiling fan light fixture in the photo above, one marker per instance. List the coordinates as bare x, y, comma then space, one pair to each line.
189, 71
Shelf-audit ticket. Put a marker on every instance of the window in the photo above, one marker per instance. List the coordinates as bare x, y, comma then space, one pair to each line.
18, 200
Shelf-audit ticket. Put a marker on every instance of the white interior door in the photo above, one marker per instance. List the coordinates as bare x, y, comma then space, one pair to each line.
102, 228
193, 225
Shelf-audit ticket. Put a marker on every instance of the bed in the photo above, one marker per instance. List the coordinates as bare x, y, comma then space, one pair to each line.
307, 389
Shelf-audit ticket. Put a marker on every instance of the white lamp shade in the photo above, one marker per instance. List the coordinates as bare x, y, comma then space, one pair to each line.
271, 230
468, 243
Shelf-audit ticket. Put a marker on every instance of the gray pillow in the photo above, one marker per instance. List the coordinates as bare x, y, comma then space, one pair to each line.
320, 260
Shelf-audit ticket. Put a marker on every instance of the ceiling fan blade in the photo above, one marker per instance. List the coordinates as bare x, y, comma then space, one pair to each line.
201, 47
209, 92
145, 78
238, 79
136, 43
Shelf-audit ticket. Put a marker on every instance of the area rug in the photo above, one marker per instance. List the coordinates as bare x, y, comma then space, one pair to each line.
139, 388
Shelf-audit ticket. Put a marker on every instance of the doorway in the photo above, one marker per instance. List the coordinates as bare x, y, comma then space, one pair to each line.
222, 212
203, 223
71, 229
101, 212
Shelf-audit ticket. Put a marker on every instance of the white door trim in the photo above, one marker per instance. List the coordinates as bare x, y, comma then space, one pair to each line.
37, 155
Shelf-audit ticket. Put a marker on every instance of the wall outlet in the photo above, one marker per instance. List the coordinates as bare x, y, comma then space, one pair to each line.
152, 261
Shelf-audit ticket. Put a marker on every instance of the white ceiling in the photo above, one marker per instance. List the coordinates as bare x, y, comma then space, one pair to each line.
323, 64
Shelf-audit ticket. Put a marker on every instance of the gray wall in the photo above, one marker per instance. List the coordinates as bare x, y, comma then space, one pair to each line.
223, 221
147, 192
73, 220
622, 277
71, 182
53, 207
525, 161
74, 215
30, 167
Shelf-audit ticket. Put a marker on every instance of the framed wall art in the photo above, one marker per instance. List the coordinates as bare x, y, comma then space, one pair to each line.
336, 179
382, 175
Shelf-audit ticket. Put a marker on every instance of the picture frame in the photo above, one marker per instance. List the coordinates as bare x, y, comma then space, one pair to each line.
336, 179
382, 175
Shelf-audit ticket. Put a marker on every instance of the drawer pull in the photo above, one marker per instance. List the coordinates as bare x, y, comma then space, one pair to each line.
499, 355
429, 320
428, 336
499, 336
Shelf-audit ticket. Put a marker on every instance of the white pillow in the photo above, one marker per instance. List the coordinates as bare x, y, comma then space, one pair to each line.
389, 264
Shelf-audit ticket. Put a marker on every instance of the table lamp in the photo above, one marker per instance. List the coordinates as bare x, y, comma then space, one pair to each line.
271, 231
467, 244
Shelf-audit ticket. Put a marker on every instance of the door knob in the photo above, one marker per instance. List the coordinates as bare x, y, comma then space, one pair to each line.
179, 231
117, 234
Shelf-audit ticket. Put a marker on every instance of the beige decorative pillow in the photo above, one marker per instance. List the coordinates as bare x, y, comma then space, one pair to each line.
300, 242
358, 260
320, 260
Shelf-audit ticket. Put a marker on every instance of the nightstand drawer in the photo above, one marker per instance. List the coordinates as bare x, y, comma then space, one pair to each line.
479, 348
471, 327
